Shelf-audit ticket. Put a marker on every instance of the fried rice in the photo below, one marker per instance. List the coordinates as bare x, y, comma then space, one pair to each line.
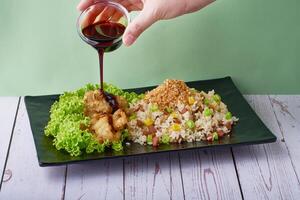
175, 113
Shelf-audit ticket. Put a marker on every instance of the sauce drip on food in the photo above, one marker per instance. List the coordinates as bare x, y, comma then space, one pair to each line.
104, 35
111, 99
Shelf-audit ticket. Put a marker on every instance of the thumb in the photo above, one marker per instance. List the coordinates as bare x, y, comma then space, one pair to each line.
145, 19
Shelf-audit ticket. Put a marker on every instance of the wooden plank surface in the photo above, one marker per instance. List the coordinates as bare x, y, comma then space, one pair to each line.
27, 180
266, 171
153, 177
101, 179
287, 111
8, 110
209, 174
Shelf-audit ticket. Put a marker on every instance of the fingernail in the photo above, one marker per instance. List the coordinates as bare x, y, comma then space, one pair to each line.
129, 39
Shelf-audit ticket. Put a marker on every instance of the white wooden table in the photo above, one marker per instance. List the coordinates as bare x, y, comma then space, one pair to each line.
269, 171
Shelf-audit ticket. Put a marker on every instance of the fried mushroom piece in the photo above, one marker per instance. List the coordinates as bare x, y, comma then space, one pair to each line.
119, 120
100, 125
95, 103
122, 103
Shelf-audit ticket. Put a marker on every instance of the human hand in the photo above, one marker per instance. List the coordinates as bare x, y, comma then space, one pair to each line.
151, 12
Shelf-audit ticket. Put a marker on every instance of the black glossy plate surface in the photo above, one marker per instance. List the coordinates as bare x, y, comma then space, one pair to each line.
249, 129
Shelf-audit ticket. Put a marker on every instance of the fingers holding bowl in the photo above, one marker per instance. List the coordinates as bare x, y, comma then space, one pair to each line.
91, 14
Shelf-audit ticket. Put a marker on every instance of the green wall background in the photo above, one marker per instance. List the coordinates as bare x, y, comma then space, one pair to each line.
256, 42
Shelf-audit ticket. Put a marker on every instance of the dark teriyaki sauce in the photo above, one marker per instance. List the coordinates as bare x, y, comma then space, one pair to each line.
104, 34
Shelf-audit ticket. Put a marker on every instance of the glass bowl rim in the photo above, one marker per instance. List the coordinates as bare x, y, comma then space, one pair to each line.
106, 2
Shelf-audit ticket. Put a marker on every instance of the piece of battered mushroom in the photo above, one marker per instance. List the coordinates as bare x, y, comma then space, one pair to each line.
122, 102
119, 120
103, 130
95, 103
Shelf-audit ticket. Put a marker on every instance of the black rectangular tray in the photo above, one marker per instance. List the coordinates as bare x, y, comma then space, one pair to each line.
249, 129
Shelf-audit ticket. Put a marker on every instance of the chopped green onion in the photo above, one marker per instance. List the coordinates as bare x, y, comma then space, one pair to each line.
168, 110
149, 139
207, 101
132, 117
217, 98
154, 108
190, 124
215, 136
165, 139
228, 115
207, 112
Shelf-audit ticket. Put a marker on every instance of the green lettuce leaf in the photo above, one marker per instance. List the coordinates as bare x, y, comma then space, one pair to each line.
67, 119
